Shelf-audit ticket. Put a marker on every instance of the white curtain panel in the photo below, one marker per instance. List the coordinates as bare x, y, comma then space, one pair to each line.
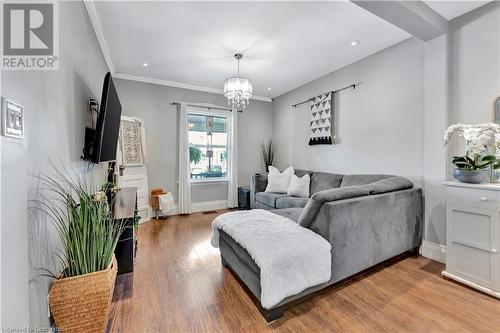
232, 187
184, 204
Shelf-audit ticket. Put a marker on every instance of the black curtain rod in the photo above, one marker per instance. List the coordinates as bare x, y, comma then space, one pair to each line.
206, 107
333, 92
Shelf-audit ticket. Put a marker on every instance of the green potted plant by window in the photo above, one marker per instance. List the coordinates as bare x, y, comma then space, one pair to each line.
195, 155
82, 289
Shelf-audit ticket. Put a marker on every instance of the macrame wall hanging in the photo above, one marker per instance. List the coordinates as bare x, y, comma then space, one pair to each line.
131, 142
321, 124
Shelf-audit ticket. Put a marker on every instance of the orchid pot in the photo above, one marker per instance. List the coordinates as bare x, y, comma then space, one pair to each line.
472, 176
474, 170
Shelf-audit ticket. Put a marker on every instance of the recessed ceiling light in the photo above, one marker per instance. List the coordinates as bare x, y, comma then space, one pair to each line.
144, 64
268, 88
355, 43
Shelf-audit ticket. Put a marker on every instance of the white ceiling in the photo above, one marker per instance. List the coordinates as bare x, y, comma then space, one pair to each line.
285, 44
452, 9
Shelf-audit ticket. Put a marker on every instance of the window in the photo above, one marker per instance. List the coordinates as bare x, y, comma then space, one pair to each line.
208, 146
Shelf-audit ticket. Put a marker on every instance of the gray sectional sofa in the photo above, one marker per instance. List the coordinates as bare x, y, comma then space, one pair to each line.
368, 219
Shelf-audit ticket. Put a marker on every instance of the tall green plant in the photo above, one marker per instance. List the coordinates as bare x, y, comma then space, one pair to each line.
268, 150
195, 155
84, 224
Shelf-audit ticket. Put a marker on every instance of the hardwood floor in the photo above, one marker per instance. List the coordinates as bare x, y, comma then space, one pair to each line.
179, 285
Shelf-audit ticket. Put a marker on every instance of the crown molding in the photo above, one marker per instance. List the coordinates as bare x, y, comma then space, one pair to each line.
180, 85
96, 25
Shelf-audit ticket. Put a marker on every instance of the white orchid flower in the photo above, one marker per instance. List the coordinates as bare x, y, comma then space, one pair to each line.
477, 137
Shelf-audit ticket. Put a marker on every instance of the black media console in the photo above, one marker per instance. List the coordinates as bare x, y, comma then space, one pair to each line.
125, 210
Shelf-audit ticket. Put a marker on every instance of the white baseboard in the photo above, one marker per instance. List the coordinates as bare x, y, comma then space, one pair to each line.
207, 206
433, 251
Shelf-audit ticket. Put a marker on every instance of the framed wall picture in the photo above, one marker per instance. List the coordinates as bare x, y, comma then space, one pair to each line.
12, 119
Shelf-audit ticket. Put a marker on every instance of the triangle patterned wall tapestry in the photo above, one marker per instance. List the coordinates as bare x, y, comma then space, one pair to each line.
321, 124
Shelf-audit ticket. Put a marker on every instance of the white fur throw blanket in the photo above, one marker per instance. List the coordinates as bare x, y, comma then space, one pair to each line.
291, 258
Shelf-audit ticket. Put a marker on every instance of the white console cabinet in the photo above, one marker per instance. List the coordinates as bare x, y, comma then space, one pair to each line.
473, 235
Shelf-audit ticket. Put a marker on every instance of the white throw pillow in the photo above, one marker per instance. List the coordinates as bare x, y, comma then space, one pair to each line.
277, 182
299, 187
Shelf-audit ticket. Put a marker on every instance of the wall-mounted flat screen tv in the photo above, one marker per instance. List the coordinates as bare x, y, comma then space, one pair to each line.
108, 124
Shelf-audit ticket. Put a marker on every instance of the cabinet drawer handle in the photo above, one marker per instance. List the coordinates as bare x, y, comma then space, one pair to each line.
494, 251
484, 199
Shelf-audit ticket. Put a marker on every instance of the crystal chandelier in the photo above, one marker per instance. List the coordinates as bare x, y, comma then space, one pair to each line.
238, 90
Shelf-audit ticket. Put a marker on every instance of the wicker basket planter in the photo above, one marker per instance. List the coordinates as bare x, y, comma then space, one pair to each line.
82, 303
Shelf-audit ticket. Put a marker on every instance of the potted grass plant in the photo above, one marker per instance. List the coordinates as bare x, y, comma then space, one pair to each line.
268, 150
82, 289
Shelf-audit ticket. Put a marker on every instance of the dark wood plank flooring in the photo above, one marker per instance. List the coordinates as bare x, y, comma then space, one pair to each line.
179, 285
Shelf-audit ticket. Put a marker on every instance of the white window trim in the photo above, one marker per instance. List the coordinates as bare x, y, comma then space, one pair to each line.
203, 181
218, 113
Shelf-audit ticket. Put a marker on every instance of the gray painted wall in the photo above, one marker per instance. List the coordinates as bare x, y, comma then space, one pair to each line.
153, 104
474, 67
377, 125
55, 104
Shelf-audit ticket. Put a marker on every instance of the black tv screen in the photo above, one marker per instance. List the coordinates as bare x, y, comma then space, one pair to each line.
108, 124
